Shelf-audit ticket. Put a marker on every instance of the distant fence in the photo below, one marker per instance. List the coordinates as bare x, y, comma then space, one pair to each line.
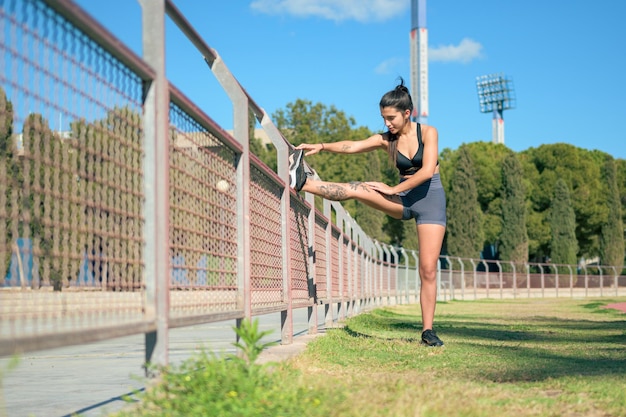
116, 220
468, 279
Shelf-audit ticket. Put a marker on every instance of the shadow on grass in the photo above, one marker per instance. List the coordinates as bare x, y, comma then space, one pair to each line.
534, 348
533, 364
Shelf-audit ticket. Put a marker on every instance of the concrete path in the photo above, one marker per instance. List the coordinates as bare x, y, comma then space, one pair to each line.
90, 380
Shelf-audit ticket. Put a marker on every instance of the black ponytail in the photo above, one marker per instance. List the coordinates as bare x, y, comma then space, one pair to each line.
400, 99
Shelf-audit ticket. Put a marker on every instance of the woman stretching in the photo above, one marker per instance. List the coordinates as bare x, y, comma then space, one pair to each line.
413, 149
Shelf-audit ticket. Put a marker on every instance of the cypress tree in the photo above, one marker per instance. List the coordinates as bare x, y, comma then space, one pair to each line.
514, 237
612, 237
464, 231
563, 244
6, 163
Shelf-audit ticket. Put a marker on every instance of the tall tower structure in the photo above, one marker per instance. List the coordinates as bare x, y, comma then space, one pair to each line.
419, 61
495, 94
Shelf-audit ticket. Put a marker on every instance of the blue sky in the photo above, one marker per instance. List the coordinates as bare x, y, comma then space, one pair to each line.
567, 60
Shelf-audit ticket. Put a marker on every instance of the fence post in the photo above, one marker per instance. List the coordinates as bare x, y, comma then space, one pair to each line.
462, 278
379, 263
312, 248
341, 313
328, 308
450, 277
556, 279
514, 279
350, 264
474, 275
601, 281
586, 280
418, 282
527, 279
156, 229
486, 265
406, 275
388, 262
571, 281
397, 275
500, 277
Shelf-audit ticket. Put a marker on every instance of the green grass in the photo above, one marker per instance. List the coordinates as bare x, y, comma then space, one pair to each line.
533, 357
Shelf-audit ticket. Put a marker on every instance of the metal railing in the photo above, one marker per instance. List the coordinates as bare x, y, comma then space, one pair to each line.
122, 220
469, 279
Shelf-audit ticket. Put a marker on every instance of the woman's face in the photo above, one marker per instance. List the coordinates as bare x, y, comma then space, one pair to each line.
394, 119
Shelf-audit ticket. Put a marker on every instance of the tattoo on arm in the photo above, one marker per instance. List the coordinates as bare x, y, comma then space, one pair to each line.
345, 148
355, 185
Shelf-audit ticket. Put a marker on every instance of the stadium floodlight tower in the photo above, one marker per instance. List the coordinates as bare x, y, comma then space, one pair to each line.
419, 61
495, 94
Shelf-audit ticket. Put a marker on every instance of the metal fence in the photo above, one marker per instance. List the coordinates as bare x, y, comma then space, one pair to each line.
469, 279
115, 220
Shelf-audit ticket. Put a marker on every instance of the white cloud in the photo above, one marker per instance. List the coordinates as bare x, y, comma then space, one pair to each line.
464, 52
388, 66
337, 10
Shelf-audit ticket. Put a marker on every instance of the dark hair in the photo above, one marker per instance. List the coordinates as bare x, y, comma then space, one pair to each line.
400, 99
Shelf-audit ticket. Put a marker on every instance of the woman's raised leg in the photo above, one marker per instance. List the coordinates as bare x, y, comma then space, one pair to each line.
391, 205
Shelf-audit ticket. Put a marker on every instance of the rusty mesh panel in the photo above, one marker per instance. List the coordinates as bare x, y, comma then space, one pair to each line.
393, 286
385, 277
359, 273
71, 178
203, 219
300, 288
347, 275
321, 280
376, 285
334, 269
266, 265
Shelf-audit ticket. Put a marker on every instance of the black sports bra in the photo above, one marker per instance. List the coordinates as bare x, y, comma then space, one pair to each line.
406, 166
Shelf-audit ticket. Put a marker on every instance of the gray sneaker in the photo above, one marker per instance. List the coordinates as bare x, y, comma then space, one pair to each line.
297, 176
429, 338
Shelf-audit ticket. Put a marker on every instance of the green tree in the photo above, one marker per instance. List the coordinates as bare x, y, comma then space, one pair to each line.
563, 243
7, 149
620, 165
582, 170
47, 219
487, 159
110, 191
514, 238
612, 237
464, 231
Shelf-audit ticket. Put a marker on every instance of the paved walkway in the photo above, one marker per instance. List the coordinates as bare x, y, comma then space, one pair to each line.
90, 380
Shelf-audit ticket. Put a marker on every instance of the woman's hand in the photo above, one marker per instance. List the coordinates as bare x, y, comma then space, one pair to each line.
310, 148
380, 187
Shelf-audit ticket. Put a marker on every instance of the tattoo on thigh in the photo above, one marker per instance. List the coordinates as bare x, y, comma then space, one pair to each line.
339, 192
334, 192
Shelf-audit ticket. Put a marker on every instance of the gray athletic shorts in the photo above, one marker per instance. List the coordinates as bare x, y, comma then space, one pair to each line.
426, 203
